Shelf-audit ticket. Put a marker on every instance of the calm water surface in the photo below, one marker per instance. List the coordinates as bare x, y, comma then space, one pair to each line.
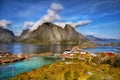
18, 48
33, 48
104, 49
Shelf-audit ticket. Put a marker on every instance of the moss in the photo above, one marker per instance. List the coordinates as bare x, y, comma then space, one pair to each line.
76, 75
67, 75
76, 70
95, 77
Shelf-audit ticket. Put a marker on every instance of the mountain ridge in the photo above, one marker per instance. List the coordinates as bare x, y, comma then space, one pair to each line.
49, 33
99, 40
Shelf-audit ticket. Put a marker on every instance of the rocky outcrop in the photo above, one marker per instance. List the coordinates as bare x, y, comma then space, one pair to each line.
6, 36
49, 33
7, 57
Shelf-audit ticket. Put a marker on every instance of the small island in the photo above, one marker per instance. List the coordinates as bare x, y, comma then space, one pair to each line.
7, 57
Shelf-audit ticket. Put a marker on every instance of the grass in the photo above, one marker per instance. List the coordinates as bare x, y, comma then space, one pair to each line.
72, 69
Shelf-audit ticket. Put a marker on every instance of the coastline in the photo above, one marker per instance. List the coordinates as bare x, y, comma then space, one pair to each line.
76, 67
72, 69
11, 58
40, 54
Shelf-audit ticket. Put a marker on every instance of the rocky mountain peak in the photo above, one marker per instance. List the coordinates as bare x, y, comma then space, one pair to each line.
49, 33
68, 27
25, 31
47, 24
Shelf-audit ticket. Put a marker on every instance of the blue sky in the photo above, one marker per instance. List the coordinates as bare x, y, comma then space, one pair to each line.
103, 14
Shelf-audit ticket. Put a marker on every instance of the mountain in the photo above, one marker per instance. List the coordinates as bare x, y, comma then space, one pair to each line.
49, 33
6, 36
25, 32
102, 40
93, 38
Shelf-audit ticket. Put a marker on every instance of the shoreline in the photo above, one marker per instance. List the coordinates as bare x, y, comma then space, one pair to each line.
74, 69
19, 57
7, 57
40, 54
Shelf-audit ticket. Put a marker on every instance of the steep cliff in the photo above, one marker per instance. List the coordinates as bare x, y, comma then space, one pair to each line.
6, 36
49, 33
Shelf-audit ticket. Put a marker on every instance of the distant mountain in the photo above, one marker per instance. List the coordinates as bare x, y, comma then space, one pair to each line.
25, 32
49, 33
103, 40
93, 38
6, 36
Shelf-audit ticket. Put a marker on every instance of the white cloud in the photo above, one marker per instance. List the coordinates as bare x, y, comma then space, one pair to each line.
56, 6
74, 24
5, 23
28, 24
52, 15
92, 33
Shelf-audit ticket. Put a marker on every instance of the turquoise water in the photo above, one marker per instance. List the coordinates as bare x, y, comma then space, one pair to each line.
10, 70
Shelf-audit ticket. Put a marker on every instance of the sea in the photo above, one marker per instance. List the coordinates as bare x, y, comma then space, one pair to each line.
13, 69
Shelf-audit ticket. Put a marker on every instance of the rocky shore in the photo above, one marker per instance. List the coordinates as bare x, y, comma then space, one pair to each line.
7, 57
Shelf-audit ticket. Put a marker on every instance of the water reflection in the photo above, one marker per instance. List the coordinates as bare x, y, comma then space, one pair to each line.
33, 48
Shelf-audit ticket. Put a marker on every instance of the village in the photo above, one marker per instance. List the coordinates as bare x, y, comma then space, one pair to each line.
74, 53
91, 57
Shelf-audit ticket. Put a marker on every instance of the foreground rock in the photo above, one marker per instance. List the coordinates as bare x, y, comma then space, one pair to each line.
6, 36
49, 33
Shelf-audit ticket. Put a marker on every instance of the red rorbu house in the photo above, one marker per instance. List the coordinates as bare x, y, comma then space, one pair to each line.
110, 54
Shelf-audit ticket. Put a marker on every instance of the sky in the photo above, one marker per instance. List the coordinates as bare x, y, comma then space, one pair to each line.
100, 18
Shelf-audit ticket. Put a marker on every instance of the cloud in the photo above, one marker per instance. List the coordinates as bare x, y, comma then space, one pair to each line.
5, 24
92, 33
74, 24
28, 24
52, 15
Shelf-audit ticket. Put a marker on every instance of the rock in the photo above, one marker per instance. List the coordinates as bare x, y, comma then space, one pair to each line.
6, 36
7, 57
49, 33
25, 32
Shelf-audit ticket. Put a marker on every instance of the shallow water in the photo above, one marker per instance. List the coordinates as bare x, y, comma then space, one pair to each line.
10, 70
